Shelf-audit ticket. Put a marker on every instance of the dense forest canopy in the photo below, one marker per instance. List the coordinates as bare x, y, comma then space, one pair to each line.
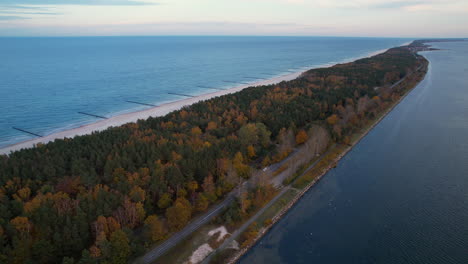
81, 200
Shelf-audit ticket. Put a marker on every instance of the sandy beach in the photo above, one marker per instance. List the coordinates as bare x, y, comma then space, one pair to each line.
160, 110
143, 114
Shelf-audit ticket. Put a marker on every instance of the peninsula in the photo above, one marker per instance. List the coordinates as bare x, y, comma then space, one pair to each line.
239, 159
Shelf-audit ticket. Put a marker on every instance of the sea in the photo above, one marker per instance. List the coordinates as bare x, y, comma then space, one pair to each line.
46, 84
401, 195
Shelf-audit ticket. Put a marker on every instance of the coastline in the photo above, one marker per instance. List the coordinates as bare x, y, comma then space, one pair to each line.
238, 255
162, 109
130, 117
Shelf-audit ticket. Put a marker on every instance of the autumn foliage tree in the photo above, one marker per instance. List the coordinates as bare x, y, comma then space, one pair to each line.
179, 214
201, 203
155, 228
301, 137
120, 247
332, 120
242, 169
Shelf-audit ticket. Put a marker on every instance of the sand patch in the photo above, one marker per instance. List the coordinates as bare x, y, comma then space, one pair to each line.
233, 245
222, 233
200, 254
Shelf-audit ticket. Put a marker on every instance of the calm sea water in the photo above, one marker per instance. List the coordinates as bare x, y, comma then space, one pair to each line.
45, 82
401, 195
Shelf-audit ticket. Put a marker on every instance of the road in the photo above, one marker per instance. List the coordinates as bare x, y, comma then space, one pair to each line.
244, 226
159, 250
162, 248
404, 78
276, 166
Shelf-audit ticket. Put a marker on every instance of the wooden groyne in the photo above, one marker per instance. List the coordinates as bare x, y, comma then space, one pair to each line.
256, 78
235, 82
207, 87
93, 115
179, 94
27, 132
269, 74
135, 102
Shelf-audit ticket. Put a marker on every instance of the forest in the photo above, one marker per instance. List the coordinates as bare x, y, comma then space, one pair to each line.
108, 196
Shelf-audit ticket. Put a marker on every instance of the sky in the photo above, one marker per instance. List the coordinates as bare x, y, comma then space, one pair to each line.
364, 18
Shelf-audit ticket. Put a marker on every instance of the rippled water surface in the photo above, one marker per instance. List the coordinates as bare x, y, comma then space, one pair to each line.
45, 82
401, 195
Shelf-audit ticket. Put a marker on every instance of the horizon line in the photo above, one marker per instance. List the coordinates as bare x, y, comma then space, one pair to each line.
227, 35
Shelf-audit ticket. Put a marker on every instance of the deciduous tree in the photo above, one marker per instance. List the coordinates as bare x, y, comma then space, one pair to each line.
120, 246
155, 228
301, 137
179, 214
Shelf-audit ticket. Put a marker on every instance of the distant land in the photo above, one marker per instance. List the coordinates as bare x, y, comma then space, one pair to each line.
239, 158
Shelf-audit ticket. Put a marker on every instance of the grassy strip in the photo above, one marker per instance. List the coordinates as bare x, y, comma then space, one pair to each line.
181, 252
280, 170
276, 207
299, 172
325, 163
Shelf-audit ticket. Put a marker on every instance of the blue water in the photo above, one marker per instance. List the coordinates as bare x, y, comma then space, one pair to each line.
45, 82
401, 195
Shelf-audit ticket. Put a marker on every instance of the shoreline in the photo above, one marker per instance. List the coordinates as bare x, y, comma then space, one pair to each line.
238, 255
163, 109
134, 116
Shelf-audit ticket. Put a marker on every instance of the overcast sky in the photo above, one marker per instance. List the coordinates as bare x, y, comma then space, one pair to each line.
372, 18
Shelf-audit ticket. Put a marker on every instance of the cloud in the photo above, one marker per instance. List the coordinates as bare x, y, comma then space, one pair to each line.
390, 4
420, 7
75, 2
191, 28
370, 4
9, 9
396, 4
23, 7
6, 18
30, 13
15, 12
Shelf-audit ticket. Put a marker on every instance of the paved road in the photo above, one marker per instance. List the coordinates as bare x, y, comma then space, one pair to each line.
274, 167
159, 250
176, 238
404, 78
244, 226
